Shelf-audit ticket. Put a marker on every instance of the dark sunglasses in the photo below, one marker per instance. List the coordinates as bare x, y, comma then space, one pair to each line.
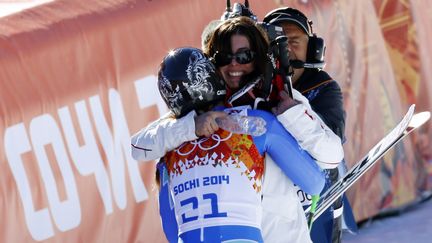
241, 57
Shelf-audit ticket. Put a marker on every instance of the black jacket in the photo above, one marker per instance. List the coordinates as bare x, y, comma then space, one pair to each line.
325, 97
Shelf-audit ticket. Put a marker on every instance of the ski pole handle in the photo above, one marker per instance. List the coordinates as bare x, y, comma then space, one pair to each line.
315, 199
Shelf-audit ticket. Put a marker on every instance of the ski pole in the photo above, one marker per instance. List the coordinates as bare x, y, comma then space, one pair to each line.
315, 199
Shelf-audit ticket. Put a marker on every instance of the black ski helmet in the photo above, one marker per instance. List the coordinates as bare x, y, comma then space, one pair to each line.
187, 80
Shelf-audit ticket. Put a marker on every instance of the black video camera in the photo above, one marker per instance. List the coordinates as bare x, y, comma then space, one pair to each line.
278, 49
273, 31
278, 42
278, 53
239, 9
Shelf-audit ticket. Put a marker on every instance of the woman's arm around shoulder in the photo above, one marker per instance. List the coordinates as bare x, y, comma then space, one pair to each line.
312, 133
163, 135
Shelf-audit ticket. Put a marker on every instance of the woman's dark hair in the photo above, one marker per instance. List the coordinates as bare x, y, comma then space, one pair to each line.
221, 40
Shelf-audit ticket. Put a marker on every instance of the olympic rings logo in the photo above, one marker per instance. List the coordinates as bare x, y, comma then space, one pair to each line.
200, 144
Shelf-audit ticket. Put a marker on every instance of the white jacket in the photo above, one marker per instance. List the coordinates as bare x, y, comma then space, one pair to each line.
283, 216
163, 135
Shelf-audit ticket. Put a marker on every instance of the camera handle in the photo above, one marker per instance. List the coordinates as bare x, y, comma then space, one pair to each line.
284, 63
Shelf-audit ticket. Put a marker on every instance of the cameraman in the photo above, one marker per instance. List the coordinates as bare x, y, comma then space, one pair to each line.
306, 54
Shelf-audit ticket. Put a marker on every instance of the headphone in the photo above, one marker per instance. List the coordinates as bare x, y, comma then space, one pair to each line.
316, 45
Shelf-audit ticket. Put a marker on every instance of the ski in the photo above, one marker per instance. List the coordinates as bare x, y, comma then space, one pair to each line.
408, 124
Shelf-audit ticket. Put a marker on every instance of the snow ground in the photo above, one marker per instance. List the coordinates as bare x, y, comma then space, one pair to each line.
413, 225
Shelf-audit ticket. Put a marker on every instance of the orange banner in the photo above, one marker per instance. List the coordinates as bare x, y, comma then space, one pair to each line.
79, 77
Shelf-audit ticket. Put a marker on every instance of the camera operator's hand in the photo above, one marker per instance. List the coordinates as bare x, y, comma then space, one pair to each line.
285, 103
205, 124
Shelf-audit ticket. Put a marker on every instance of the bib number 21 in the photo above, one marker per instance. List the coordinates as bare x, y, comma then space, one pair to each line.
194, 203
